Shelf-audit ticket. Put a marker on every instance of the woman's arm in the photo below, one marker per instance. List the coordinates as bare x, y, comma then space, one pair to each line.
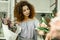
48, 36
37, 24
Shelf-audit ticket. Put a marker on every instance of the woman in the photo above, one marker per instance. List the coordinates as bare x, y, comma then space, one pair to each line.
24, 12
54, 33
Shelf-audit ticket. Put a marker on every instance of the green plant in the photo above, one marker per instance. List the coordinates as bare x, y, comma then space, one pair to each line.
46, 30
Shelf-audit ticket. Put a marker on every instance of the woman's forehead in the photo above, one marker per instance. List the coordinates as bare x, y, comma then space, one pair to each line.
25, 7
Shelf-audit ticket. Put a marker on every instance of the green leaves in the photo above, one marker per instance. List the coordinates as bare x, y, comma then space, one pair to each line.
43, 20
44, 29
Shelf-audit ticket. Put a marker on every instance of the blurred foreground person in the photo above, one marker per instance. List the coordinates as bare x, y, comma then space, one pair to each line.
54, 33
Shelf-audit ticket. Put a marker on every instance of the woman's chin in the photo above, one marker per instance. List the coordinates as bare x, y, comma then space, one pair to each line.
26, 15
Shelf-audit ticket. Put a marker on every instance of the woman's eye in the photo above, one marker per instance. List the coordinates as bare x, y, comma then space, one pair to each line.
27, 8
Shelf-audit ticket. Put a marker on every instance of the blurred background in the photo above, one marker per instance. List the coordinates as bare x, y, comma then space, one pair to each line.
46, 8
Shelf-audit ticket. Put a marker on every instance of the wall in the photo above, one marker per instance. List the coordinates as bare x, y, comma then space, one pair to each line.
51, 2
3, 7
41, 5
58, 5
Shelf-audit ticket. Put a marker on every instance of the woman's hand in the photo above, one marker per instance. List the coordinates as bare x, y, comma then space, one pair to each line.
48, 36
5, 20
8, 22
40, 32
43, 25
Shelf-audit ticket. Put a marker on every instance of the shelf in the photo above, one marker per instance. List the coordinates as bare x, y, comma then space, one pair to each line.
3, 1
3, 6
2, 38
43, 11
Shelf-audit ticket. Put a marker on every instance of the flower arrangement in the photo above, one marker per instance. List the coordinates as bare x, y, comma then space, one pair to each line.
46, 30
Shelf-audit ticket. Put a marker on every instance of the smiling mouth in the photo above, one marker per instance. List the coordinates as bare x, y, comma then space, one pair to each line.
27, 14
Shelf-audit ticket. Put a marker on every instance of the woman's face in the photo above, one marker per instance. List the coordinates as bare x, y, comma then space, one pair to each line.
26, 11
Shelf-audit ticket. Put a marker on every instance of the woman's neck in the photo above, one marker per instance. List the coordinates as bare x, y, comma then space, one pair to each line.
26, 18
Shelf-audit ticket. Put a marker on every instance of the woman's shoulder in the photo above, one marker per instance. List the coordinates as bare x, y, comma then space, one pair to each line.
35, 20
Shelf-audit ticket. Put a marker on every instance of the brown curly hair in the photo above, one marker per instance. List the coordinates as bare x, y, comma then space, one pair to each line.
18, 12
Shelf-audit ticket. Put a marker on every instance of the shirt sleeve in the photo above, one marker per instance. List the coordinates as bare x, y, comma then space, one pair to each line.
18, 29
36, 23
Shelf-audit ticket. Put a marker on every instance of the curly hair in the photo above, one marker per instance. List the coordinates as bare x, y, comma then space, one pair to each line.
18, 11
